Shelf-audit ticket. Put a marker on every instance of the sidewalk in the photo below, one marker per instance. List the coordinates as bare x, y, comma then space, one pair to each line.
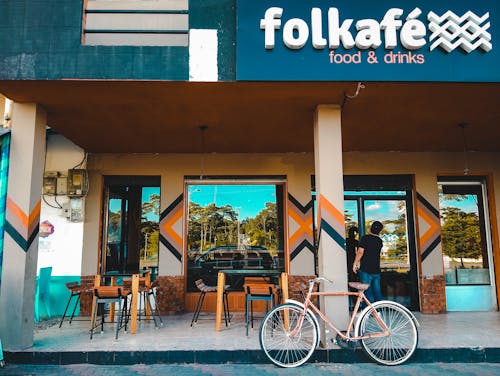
452, 337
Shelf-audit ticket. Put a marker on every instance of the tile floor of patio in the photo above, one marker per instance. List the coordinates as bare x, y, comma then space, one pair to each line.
452, 337
450, 330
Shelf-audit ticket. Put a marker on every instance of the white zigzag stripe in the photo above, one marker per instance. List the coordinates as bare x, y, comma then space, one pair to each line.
468, 28
470, 36
452, 16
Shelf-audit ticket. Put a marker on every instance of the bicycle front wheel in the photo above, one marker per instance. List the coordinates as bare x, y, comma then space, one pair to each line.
395, 348
277, 341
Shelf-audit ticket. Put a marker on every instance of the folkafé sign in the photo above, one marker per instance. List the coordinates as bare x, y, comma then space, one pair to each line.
362, 40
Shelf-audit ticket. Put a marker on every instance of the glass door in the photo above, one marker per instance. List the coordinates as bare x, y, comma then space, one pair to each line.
398, 257
352, 220
467, 250
131, 224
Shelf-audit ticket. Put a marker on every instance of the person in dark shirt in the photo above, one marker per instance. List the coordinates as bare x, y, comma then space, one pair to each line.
367, 261
351, 246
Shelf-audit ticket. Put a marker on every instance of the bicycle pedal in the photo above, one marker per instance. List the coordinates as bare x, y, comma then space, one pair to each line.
346, 344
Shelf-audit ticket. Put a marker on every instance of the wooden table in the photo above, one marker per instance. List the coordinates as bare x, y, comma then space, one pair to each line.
134, 291
221, 281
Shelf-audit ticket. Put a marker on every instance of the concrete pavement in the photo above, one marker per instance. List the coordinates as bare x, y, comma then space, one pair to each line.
452, 337
316, 369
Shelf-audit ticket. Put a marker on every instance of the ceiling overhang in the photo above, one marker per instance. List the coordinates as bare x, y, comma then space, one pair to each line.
263, 117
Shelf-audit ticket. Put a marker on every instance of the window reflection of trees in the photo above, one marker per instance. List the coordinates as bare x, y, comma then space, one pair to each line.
212, 226
216, 233
150, 231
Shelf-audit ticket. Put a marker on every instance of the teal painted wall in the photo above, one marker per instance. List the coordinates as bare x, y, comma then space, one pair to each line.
221, 16
59, 296
41, 40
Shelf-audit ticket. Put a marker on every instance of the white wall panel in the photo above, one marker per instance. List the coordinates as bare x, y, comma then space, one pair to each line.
139, 39
136, 21
203, 55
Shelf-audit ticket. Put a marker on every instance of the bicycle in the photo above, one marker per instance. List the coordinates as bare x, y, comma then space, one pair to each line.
387, 330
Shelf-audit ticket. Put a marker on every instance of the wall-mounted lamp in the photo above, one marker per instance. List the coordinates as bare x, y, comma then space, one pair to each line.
464, 140
203, 129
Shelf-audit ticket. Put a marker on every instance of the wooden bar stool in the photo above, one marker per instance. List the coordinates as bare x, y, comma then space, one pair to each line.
146, 292
203, 290
76, 289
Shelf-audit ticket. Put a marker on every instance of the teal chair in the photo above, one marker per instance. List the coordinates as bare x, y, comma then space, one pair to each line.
43, 292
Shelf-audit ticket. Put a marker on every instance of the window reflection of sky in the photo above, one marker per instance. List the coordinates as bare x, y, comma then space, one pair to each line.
380, 210
467, 204
147, 192
251, 199
383, 210
375, 193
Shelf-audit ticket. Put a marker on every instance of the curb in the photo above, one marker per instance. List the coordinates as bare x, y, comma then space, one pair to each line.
442, 355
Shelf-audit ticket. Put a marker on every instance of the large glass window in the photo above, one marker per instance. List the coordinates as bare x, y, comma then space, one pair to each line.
233, 226
464, 233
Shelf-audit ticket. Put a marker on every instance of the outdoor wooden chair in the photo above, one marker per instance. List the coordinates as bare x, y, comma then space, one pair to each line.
257, 291
110, 295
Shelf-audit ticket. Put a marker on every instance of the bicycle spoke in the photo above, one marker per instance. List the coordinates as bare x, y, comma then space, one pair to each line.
396, 347
276, 338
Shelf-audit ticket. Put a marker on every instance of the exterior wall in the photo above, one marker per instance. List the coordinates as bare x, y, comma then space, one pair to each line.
60, 248
426, 167
298, 168
42, 40
218, 15
172, 169
63, 248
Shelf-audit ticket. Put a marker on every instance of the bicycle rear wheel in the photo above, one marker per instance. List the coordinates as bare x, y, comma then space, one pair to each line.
395, 348
276, 340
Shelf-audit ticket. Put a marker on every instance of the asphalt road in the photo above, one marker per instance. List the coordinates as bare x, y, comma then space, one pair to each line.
317, 369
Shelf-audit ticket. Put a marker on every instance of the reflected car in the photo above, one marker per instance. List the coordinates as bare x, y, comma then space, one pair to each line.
208, 264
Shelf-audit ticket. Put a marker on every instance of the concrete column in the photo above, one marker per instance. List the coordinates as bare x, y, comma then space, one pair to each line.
429, 225
432, 281
172, 234
20, 256
300, 222
330, 197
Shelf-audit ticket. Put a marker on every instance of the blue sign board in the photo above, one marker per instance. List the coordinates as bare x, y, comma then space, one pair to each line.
366, 40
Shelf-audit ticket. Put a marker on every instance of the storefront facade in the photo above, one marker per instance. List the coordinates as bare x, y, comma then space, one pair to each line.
344, 108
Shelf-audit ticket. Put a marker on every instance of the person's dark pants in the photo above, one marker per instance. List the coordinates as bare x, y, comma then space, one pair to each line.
373, 294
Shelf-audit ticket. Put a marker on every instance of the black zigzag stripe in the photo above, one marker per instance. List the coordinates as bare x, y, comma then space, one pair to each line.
19, 239
305, 244
171, 207
303, 209
16, 236
171, 248
428, 205
431, 247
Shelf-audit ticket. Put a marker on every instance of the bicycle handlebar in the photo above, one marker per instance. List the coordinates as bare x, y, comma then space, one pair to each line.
320, 279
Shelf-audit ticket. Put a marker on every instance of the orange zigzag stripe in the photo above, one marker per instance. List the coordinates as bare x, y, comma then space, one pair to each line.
25, 220
434, 227
169, 229
334, 212
304, 225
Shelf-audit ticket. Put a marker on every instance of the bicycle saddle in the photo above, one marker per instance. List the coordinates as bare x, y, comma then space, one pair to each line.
359, 286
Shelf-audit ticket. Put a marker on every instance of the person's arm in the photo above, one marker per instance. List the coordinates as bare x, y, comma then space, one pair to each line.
359, 254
